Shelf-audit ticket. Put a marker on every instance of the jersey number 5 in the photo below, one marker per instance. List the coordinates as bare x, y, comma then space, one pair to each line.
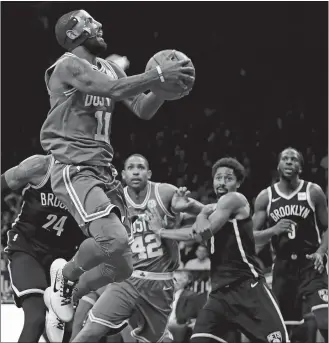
103, 126
57, 225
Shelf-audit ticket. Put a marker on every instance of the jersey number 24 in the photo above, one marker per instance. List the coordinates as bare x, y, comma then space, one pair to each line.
55, 224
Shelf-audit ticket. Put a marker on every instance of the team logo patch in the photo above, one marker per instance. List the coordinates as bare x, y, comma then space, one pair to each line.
302, 196
323, 294
275, 337
151, 204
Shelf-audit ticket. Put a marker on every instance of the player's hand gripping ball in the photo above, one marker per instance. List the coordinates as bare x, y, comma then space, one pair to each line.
166, 90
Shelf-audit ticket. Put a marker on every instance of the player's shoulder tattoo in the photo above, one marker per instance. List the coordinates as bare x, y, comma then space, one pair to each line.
74, 65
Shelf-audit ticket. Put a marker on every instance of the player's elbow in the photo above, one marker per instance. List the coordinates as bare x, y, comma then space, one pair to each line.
144, 116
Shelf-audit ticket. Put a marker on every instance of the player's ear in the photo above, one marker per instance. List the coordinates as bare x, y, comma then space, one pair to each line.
72, 34
123, 174
238, 184
149, 174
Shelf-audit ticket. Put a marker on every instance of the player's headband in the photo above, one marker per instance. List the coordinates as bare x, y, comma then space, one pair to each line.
85, 33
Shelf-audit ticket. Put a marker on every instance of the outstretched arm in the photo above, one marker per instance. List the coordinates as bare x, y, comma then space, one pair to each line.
228, 205
78, 73
145, 106
32, 170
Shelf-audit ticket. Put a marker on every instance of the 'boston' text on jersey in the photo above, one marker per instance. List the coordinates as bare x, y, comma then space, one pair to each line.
93, 100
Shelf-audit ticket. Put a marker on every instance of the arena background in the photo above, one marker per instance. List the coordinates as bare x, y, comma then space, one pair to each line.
261, 85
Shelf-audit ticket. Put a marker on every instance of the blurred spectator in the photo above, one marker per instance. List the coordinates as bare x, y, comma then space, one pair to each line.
201, 262
187, 251
185, 307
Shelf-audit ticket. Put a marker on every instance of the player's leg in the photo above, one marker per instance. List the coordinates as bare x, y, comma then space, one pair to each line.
110, 314
153, 308
285, 289
314, 294
28, 280
257, 313
81, 186
81, 313
103, 274
212, 323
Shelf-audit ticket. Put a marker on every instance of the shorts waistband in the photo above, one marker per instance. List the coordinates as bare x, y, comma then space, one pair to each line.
140, 274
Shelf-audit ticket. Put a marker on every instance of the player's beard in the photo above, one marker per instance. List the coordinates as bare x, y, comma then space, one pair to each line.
220, 194
94, 46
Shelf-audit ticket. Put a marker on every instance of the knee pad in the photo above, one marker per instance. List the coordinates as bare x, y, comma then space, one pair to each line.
90, 298
110, 234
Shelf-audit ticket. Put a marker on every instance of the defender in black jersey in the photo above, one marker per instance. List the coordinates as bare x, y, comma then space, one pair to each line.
43, 231
240, 298
296, 213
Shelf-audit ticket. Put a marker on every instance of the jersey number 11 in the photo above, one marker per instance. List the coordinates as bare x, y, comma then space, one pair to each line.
103, 126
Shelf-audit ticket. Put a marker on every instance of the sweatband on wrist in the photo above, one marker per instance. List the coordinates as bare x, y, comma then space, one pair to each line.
160, 74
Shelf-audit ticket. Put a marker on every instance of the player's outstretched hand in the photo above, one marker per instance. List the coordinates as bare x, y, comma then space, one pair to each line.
180, 201
317, 258
284, 225
175, 71
121, 61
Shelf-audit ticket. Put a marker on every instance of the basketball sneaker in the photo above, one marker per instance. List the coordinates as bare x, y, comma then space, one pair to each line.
54, 326
61, 292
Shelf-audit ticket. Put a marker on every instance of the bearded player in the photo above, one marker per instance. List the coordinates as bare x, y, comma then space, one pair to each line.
148, 294
240, 298
296, 213
43, 231
83, 89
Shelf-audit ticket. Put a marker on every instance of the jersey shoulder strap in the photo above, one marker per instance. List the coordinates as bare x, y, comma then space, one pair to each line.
160, 202
308, 195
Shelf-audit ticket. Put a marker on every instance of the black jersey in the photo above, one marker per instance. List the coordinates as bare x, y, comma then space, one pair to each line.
44, 220
232, 251
298, 207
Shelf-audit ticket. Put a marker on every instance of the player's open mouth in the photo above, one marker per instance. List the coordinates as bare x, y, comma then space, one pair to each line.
221, 190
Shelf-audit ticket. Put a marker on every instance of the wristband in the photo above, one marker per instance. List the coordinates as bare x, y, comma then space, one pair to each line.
160, 74
160, 231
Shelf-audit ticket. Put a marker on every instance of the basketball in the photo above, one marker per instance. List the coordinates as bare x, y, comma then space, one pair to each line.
168, 91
